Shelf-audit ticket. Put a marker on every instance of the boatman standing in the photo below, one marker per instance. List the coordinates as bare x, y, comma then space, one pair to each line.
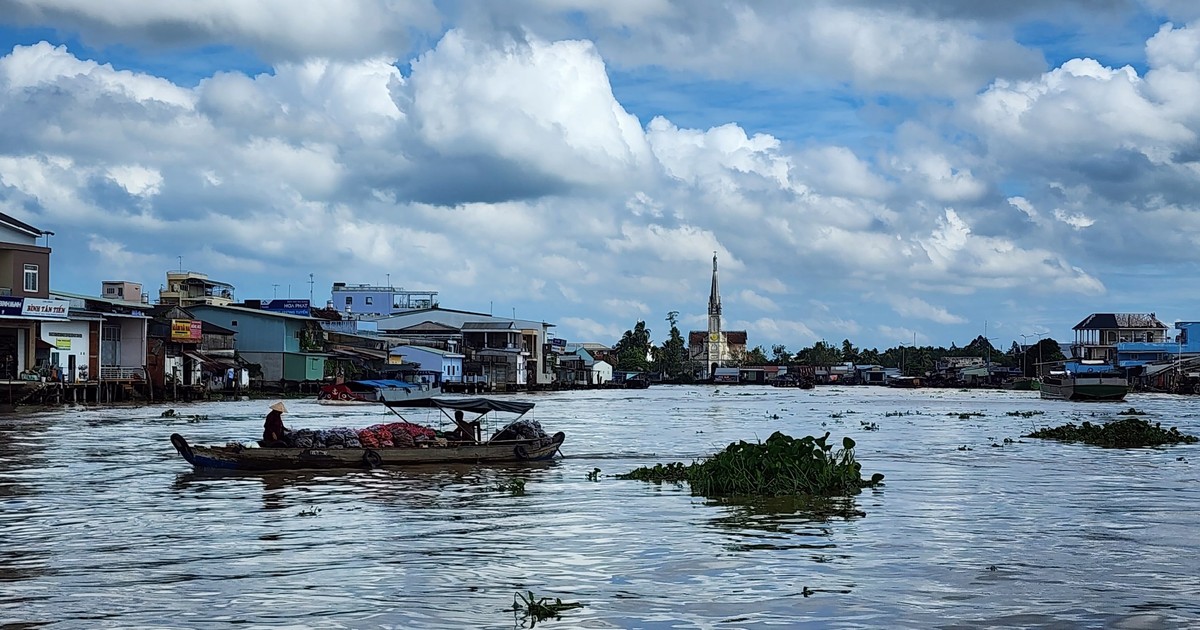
273, 429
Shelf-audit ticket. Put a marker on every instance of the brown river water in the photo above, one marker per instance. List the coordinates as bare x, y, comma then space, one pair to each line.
102, 524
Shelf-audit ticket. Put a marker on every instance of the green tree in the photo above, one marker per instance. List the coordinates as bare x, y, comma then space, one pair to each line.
1042, 352
671, 357
849, 352
632, 349
756, 356
780, 355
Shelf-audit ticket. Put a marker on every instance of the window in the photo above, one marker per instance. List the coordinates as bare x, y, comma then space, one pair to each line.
31, 278
370, 300
349, 300
234, 323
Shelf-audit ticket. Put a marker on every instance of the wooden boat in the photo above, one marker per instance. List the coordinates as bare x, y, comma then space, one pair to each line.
390, 392
1086, 387
240, 457
907, 382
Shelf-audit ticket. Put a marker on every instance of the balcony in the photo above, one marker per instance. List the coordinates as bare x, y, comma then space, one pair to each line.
121, 373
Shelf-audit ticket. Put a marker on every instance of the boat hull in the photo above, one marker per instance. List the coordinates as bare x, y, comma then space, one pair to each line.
1085, 389
262, 459
399, 395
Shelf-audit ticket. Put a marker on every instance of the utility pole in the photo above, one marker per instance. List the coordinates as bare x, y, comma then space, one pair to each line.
310, 288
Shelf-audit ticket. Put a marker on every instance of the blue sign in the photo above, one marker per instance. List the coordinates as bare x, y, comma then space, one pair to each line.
291, 307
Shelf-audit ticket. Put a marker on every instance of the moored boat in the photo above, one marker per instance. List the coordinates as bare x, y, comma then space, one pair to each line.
1085, 386
390, 392
520, 440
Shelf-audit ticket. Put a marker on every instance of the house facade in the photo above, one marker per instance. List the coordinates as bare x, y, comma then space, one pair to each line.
108, 341
192, 288
448, 364
364, 300
1098, 335
25, 300
514, 352
289, 349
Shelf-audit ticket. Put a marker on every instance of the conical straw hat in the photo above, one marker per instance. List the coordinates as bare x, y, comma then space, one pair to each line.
279, 407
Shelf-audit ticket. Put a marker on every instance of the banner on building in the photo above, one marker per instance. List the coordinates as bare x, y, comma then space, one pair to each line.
34, 308
61, 343
187, 330
291, 307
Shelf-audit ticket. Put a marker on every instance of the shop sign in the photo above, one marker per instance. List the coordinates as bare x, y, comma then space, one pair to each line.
62, 343
34, 308
187, 330
291, 307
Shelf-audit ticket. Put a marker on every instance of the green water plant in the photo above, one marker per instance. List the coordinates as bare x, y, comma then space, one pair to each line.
780, 466
594, 475
1024, 414
536, 609
1123, 433
1131, 412
515, 487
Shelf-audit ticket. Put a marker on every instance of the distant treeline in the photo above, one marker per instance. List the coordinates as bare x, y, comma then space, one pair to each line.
671, 357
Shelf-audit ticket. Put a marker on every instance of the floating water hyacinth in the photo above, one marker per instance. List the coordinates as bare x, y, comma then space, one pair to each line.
781, 466
1124, 433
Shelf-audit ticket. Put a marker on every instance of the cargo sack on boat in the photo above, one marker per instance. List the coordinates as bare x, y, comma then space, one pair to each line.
523, 429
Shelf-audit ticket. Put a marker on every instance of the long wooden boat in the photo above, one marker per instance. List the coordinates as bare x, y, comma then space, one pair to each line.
1085, 387
390, 392
240, 457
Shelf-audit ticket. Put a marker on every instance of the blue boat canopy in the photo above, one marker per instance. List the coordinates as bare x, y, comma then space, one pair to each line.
482, 405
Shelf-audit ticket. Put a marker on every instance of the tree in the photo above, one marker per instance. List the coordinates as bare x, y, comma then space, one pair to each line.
671, 358
631, 350
780, 355
756, 356
1044, 351
849, 352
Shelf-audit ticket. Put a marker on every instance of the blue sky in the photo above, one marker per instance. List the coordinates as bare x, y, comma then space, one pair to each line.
865, 170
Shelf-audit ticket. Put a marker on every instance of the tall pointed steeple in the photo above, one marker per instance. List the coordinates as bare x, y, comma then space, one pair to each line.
715, 346
714, 297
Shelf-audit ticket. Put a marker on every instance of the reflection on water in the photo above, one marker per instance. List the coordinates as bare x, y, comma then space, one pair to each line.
102, 523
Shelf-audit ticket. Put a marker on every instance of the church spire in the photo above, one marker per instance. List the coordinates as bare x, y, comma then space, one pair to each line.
714, 297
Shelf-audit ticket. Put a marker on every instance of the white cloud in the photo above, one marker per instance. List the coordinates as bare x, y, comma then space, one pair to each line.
275, 28
762, 303
920, 309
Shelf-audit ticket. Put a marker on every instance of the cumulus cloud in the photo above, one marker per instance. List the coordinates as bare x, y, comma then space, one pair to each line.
276, 29
503, 167
916, 307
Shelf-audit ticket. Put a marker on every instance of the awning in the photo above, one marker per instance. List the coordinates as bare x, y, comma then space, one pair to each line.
213, 362
482, 405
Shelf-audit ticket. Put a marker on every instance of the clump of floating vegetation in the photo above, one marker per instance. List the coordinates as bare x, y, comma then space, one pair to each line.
1024, 414
1131, 412
966, 415
892, 414
539, 609
516, 487
781, 466
1124, 433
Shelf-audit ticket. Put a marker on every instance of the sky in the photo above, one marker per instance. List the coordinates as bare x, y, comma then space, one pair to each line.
887, 171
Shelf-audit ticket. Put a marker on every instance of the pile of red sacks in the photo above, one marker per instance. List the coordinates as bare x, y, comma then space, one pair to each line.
396, 434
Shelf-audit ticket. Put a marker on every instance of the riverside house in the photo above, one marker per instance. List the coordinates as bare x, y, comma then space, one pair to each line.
289, 349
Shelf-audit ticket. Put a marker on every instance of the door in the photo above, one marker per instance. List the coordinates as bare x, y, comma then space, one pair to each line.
110, 346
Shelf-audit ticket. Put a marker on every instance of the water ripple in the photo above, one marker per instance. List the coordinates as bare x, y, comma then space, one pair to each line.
102, 524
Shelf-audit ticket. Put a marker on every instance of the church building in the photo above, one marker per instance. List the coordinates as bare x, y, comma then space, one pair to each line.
715, 348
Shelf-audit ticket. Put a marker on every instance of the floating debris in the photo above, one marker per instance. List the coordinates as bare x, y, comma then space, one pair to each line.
781, 466
1025, 414
1124, 433
594, 475
1131, 412
539, 609
516, 487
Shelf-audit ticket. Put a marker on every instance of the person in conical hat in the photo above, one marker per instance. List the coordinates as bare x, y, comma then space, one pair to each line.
273, 429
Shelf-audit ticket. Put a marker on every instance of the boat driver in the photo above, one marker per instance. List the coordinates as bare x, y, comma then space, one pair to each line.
466, 431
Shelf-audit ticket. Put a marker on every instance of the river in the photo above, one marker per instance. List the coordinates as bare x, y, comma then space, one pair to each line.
102, 524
